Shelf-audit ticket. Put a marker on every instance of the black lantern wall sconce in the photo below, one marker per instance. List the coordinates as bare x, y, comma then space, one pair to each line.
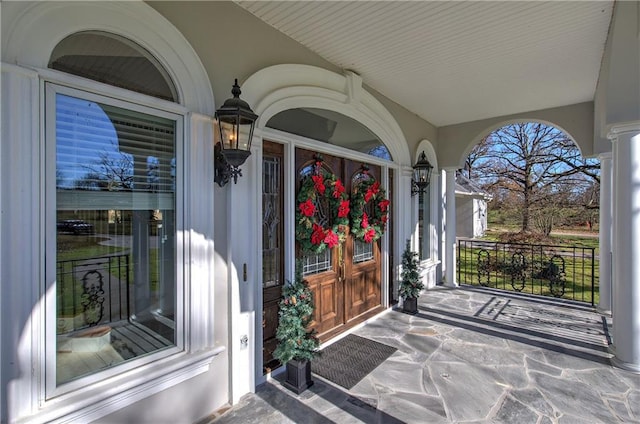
235, 123
421, 175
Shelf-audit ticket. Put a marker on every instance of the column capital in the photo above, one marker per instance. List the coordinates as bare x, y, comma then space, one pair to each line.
406, 171
623, 127
605, 156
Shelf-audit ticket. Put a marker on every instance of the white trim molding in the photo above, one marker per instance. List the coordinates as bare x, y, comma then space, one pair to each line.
621, 128
282, 87
429, 271
34, 29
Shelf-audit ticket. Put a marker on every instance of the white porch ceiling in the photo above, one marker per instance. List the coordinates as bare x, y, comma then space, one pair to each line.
456, 61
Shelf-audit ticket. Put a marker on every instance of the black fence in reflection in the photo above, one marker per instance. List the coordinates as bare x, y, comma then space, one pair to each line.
568, 272
92, 291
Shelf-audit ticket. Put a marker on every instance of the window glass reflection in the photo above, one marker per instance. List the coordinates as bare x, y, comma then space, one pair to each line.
115, 236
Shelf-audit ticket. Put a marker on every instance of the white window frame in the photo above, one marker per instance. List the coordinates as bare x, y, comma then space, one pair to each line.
51, 389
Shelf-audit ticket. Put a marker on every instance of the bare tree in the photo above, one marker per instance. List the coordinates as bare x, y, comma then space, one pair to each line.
112, 172
474, 165
535, 164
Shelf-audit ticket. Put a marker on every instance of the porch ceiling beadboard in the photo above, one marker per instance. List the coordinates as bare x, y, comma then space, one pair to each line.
454, 62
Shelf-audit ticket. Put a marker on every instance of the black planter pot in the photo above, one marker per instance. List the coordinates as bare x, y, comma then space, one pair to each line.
410, 305
298, 376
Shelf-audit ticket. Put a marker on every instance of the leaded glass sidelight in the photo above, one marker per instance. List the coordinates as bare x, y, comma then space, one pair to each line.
271, 221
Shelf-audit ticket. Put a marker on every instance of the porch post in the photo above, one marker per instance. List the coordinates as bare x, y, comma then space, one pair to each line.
450, 228
606, 222
626, 245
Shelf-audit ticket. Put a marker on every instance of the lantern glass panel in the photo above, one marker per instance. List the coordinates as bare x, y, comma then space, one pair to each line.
245, 134
228, 135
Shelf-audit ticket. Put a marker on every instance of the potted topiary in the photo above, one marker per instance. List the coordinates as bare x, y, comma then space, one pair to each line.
410, 281
297, 345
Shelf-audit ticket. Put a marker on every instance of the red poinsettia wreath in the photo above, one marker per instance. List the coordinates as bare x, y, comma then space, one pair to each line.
316, 228
369, 211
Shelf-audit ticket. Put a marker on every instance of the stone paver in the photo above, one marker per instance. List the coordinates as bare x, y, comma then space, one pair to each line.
469, 356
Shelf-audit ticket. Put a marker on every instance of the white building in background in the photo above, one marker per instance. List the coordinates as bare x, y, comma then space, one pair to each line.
176, 298
471, 208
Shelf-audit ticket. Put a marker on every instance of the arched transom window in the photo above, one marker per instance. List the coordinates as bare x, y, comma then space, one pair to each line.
113, 60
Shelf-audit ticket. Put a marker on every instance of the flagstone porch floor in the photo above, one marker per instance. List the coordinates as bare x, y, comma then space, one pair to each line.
469, 356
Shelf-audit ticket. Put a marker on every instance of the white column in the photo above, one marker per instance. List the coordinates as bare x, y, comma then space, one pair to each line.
626, 248
243, 216
606, 222
450, 229
21, 272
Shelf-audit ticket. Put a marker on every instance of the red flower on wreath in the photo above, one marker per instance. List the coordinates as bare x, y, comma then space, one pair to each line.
307, 208
365, 220
372, 191
369, 209
318, 235
368, 195
369, 235
338, 189
331, 239
318, 182
343, 209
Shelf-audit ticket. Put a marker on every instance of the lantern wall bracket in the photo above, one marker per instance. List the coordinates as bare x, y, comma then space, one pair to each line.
225, 171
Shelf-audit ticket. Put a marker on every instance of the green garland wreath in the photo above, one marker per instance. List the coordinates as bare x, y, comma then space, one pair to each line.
369, 228
321, 186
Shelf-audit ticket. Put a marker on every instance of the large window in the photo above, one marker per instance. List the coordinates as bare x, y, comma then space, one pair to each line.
113, 185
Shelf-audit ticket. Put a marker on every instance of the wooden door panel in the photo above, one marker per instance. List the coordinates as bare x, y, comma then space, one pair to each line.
357, 295
344, 295
363, 277
328, 311
269, 327
372, 281
315, 293
270, 319
328, 307
326, 286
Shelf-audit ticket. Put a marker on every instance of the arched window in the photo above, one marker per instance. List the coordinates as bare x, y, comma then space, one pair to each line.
332, 128
113, 60
115, 195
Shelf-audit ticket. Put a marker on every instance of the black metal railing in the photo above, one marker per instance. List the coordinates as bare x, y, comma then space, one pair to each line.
92, 291
567, 272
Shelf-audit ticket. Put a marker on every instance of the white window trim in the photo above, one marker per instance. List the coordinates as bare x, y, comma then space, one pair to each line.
51, 388
160, 371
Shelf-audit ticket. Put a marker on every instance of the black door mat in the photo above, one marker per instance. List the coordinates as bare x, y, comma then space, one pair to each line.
350, 359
